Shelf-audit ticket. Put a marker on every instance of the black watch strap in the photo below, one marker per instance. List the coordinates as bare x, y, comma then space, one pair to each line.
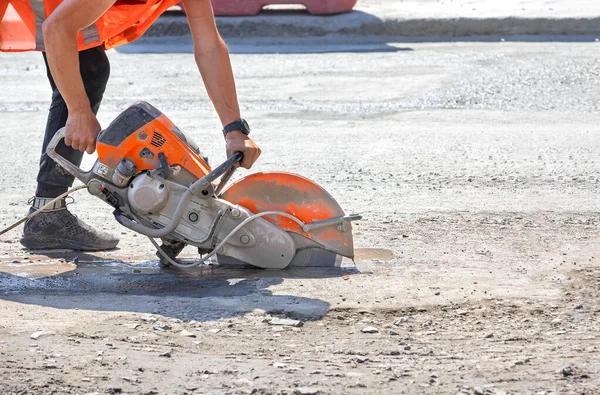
240, 125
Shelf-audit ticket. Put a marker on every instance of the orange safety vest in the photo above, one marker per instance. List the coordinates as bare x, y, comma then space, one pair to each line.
126, 20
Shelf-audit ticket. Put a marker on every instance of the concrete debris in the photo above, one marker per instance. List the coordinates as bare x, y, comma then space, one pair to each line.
162, 326
148, 318
36, 335
187, 333
370, 329
567, 371
285, 322
306, 391
258, 312
244, 383
131, 325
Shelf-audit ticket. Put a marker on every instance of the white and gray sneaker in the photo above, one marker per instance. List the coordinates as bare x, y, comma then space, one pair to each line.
57, 228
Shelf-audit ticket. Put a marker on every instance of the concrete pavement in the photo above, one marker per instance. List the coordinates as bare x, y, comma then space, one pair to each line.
475, 166
445, 18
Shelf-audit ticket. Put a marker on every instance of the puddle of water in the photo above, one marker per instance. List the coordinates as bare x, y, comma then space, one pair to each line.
368, 254
55, 263
36, 269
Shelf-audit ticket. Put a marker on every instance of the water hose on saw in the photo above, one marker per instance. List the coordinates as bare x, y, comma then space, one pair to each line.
222, 243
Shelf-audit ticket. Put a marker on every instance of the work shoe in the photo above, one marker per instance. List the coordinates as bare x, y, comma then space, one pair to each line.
57, 228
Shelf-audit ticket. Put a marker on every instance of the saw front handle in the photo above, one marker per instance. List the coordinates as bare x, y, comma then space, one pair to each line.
83, 176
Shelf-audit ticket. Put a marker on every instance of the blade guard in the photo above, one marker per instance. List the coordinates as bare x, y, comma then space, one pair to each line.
298, 196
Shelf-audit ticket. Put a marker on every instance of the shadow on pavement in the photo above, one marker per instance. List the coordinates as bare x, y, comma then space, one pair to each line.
200, 294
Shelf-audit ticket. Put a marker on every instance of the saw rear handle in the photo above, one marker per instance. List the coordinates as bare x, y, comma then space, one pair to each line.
65, 164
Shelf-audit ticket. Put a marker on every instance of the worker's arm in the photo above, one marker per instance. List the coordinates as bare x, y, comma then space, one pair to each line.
60, 39
212, 58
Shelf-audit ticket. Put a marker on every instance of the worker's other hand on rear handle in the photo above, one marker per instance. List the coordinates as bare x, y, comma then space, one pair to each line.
238, 141
81, 131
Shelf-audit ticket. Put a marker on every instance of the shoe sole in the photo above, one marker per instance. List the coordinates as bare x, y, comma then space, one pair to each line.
56, 243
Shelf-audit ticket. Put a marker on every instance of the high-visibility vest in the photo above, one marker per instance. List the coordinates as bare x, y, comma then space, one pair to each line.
21, 23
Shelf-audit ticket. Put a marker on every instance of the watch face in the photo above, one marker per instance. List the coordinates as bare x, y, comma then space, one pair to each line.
246, 126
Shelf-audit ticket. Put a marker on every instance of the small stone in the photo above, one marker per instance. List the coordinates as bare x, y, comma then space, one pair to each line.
400, 320
187, 333
578, 307
285, 322
244, 383
163, 326
360, 359
489, 335
279, 365
370, 329
37, 335
567, 371
306, 391
394, 333
214, 330
258, 312
166, 354
131, 325
49, 364
148, 318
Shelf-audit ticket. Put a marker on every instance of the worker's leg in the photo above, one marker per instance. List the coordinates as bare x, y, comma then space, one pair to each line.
95, 69
56, 227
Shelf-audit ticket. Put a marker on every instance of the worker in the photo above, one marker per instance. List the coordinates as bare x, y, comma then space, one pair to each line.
73, 36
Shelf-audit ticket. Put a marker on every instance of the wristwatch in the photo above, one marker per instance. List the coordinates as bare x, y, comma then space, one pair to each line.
240, 125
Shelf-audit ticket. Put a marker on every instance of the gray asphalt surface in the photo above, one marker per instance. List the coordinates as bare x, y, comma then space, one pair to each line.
475, 165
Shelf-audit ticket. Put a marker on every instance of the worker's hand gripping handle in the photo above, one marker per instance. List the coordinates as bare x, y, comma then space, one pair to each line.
64, 163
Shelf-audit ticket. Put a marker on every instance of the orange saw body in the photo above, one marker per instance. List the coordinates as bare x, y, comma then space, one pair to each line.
161, 185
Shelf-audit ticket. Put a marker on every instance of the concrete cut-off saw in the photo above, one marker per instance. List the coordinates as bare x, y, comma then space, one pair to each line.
160, 185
